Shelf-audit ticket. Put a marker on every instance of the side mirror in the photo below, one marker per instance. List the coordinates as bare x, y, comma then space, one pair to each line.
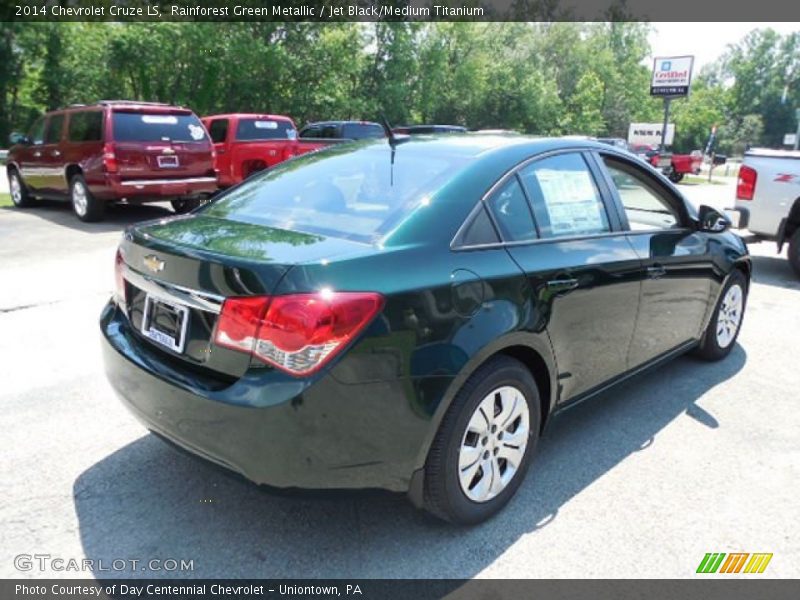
711, 220
18, 138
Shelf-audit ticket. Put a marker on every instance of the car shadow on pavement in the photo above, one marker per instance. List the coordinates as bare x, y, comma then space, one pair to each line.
774, 270
117, 216
148, 501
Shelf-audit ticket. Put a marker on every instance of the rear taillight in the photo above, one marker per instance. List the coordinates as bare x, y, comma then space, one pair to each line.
119, 277
109, 159
746, 185
297, 333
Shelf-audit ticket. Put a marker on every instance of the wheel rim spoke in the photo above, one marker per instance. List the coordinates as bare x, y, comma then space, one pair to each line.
730, 316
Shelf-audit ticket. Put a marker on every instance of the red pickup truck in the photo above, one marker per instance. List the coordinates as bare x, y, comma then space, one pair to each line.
248, 143
674, 166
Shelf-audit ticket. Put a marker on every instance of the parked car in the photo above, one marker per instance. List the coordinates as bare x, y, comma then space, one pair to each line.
113, 151
428, 129
768, 199
249, 143
409, 316
316, 136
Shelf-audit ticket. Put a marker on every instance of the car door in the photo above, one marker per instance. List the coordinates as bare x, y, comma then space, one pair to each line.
583, 275
676, 291
218, 130
52, 162
31, 160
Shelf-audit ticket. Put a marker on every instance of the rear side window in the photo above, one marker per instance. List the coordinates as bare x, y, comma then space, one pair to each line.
264, 129
565, 198
218, 130
37, 132
54, 128
512, 213
329, 132
362, 131
85, 126
155, 127
479, 231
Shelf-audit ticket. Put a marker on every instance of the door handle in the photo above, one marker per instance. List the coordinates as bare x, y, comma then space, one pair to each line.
56, 153
221, 151
562, 285
37, 154
656, 271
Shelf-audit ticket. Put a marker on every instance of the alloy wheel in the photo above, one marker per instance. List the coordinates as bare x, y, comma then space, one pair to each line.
79, 198
730, 315
494, 443
16, 189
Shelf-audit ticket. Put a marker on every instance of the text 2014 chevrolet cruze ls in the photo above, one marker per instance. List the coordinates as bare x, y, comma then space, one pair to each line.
410, 315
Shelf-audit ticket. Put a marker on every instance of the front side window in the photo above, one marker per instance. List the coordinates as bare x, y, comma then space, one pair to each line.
310, 132
565, 198
218, 130
644, 206
512, 213
54, 126
85, 126
362, 131
157, 127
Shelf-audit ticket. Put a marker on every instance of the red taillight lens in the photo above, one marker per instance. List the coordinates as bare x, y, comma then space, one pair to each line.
298, 333
109, 159
119, 276
746, 185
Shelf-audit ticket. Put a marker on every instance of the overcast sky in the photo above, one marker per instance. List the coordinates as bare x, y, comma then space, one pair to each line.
706, 41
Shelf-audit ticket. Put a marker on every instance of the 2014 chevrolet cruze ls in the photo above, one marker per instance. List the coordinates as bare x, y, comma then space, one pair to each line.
409, 314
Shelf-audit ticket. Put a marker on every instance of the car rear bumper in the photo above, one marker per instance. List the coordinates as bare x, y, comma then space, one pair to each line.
282, 432
160, 189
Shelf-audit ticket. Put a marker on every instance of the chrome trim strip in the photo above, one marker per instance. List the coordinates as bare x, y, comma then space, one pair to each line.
144, 182
180, 295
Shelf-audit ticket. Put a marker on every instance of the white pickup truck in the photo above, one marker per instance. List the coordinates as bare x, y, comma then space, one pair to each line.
768, 199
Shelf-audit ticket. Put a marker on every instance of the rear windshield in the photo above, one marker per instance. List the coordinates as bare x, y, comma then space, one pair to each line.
342, 192
250, 130
362, 131
154, 127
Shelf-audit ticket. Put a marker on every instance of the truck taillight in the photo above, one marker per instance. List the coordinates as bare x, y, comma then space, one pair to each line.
298, 333
119, 277
109, 159
746, 185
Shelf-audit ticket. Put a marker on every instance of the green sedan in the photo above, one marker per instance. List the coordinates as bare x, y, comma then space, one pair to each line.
409, 314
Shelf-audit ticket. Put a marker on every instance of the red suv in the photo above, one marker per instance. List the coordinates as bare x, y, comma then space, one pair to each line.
113, 151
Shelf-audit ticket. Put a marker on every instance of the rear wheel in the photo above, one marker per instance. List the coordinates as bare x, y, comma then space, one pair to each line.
485, 443
19, 193
86, 207
675, 177
723, 328
794, 251
185, 205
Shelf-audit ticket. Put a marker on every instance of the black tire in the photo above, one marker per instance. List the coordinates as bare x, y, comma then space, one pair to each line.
19, 192
185, 205
443, 493
794, 251
710, 347
85, 206
675, 177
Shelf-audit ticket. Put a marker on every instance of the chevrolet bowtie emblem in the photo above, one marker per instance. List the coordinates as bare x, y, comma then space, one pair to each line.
152, 262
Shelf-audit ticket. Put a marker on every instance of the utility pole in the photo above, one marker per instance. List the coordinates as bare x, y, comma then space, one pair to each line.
667, 101
797, 135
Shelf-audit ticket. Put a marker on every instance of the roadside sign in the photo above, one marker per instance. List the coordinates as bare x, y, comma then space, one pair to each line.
789, 139
650, 133
672, 76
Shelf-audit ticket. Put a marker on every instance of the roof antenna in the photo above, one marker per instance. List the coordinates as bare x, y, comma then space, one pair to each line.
392, 143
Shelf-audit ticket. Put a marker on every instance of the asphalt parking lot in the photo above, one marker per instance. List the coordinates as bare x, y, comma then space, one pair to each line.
641, 482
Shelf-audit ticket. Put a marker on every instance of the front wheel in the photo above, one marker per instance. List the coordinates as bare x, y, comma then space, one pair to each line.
185, 205
86, 207
19, 193
726, 321
794, 251
675, 177
485, 443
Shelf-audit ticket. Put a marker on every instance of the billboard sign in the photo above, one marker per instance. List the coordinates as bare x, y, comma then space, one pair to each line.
672, 76
649, 134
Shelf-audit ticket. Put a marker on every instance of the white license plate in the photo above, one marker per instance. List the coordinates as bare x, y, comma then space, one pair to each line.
165, 322
167, 162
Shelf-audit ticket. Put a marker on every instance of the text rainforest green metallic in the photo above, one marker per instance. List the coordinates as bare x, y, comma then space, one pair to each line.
409, 314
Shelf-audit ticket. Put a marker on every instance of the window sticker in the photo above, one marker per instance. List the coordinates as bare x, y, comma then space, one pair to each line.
196, 131
571, 201
160, 119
